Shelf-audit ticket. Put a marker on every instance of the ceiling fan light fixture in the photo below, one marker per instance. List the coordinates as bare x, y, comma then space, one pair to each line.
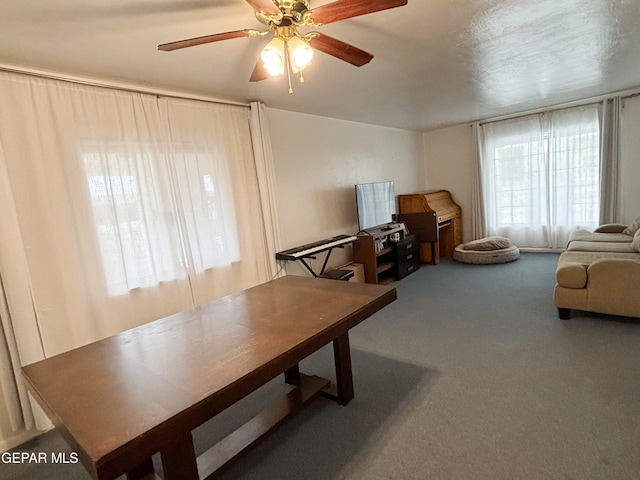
300, 53
273, 56
289, 50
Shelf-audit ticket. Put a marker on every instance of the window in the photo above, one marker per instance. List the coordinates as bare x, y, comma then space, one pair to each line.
575, 179
135, 223
207, 206
541, 175
146, 236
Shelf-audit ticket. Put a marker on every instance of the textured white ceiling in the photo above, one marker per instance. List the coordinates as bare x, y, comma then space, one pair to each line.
437, 62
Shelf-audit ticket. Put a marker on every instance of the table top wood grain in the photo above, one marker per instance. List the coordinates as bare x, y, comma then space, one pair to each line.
132, 390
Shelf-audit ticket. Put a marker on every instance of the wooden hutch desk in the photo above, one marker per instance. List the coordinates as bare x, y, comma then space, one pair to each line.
447, 218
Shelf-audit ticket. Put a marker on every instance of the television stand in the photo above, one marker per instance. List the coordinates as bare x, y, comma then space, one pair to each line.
385, 259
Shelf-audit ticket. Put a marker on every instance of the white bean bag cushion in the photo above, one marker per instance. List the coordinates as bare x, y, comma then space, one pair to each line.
487, 251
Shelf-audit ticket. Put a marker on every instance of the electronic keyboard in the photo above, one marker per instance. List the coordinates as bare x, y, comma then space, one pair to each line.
310, 249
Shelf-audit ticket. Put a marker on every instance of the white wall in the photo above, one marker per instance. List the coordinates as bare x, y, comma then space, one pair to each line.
630, 168
449, 154
448, 161
318, 161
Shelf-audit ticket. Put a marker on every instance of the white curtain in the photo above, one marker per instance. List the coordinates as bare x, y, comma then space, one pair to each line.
14, 393
226, 244
610, 152
478, 219
540, 176
19, 330
128, 207
265, 171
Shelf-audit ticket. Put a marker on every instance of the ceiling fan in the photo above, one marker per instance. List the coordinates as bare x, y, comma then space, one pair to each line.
290, 50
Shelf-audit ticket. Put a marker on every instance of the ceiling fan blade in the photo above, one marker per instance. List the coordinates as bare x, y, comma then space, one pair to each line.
266, 7
339, 49
259, 72
343, 9
192, 42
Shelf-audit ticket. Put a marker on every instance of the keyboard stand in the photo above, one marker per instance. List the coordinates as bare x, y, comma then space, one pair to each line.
313, 257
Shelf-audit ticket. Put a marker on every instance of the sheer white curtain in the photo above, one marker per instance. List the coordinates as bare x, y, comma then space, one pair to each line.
540, 176
63, 143
128, 208
130, 199
574, 172
217, 190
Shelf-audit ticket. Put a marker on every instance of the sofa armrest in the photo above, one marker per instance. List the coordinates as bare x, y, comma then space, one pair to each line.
624, 272
571, 274
611, 228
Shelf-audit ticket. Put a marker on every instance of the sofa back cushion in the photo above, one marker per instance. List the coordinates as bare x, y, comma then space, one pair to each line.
636, 240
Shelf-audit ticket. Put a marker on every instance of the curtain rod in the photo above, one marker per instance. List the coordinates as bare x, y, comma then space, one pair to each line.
622, 94
115, 85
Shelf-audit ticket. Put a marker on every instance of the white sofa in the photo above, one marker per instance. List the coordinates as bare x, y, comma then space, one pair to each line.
600, 272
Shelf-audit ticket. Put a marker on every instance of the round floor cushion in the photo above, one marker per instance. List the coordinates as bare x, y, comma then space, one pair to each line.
486, 251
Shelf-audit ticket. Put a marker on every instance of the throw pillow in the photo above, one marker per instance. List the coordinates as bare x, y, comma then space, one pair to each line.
633, 228
636, 241
611, 228
489, 243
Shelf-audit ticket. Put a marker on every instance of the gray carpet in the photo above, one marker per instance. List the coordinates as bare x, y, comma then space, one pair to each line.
469, 375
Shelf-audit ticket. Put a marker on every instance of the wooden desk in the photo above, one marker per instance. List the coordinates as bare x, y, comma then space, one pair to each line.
120, 400
449, 221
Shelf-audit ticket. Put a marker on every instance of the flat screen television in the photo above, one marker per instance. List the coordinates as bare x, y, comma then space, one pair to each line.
376, 204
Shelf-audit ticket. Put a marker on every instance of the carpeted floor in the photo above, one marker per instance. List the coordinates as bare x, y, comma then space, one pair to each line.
469, 375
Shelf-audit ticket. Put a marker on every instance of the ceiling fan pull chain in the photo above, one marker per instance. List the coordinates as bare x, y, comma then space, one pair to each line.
287, 64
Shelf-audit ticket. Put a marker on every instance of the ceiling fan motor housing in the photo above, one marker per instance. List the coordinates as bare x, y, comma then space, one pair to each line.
293, 12
298, 9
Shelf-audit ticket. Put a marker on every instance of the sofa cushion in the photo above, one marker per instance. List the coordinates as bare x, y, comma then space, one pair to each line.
587, 258
614, 247
636, 241
488, 244
633, 228
586, 236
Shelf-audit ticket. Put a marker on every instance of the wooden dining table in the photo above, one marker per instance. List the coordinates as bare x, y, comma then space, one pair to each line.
125, 398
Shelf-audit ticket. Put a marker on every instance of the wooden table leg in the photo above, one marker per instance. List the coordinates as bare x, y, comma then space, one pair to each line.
141, 470
344, 376
179, 459
292, 376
